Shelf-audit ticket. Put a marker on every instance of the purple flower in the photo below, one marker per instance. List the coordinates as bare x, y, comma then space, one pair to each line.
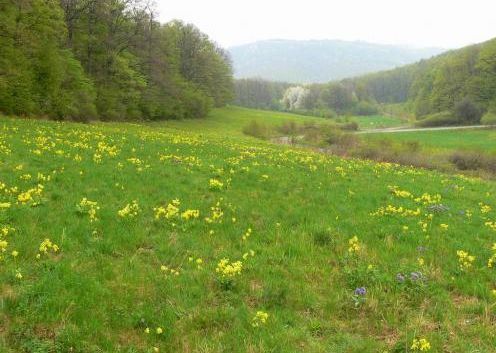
415, 276
400, 277
361, 291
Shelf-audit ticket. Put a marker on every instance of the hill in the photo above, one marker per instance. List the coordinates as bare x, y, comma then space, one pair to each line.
185, 236
438, 84
319, 60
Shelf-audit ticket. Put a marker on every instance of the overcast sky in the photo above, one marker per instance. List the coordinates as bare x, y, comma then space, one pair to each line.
420, 23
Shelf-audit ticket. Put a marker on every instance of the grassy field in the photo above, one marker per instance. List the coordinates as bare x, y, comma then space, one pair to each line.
232, 120
378, 121
477, 140
188, 237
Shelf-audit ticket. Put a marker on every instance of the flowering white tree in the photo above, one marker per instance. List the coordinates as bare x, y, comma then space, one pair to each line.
294, 97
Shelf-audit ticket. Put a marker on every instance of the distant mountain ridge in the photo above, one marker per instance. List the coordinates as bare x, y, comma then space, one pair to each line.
317, 61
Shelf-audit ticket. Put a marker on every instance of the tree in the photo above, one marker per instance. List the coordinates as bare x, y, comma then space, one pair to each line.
294, 97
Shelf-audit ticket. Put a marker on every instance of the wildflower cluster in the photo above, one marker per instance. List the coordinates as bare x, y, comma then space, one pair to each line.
227, 269
46, 247
392, 210
215, 184
169, 270
420, 345
190, 214
259, 319
168, 212
31, 196
491, 225
216, 214
88, 207
354, 245
395, 190
492, 260
247, 234
465, 260
484, 208
131, 210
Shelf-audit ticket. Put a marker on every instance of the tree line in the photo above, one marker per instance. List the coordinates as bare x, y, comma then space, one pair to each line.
458, 86
106, 59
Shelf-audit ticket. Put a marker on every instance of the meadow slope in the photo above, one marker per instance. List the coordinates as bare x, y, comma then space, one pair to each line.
189, 237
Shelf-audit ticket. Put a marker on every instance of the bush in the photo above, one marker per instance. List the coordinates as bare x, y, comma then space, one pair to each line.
489, 118
289, 128
326, 113
467, 111
340, 139
473, 161
258, 130
349, 126
438, 119
365, 108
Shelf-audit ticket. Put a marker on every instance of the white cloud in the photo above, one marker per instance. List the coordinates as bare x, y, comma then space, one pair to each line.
441, 23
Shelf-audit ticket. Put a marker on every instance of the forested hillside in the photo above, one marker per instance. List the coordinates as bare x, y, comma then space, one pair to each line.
106, 59
319, 61
436, 85
457, 87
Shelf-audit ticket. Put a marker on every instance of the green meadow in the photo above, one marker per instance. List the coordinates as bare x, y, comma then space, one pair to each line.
378, 122
482, 140
188, 236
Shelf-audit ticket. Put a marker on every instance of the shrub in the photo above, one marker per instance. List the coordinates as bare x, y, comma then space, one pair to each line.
258, 130
340, 139
473, 161
289, 128
326, 113
365, 108
489, 118
438, 119
466, 111
349, 126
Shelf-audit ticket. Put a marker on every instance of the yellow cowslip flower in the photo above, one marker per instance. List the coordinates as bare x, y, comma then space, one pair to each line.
247, 234
215, 184
217, 214
147, 330
484, 208
190, 214
465, 260
159, 331
18, 275
47, 245
227, 269
168, 212
491, 225
444, 226
3, 245
354, 245
15, 253
248, 254
421, 345
260, 318
90, 208
4, 205
492, 260
131, 210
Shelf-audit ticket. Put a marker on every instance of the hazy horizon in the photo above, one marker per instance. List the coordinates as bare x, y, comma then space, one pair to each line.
418, 24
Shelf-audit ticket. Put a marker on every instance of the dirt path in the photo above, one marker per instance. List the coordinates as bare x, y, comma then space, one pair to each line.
400, 129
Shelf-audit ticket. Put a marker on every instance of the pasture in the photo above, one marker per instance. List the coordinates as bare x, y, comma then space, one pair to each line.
482, 140
187, 236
